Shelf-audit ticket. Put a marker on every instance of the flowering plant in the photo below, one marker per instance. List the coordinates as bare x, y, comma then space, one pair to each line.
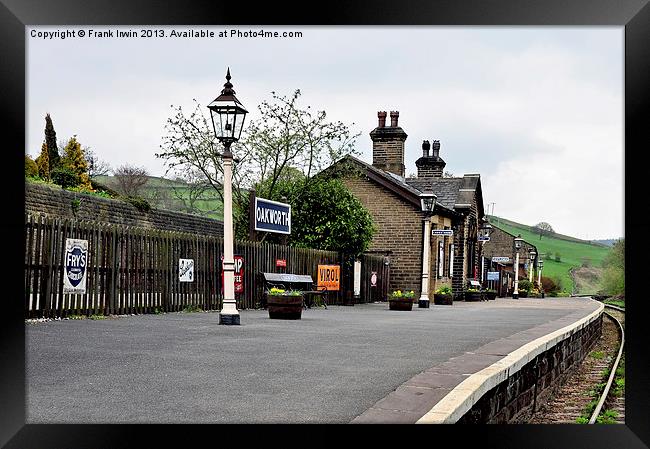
398, 294
274, 291
444, 290
472, 290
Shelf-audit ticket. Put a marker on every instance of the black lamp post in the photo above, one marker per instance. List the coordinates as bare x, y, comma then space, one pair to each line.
228, 116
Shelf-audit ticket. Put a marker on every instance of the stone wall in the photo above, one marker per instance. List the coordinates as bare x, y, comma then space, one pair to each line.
519, 396
399, 230
57, 202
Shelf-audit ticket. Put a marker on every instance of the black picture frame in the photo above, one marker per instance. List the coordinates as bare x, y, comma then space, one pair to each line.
634, 15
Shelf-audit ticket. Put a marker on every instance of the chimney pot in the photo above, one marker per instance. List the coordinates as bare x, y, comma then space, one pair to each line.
394, 115
436, 148
425, 148
381, 115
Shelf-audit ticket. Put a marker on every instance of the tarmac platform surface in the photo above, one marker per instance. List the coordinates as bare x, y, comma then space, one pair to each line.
337, 365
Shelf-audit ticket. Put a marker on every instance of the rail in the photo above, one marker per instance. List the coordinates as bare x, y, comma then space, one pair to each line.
612, 373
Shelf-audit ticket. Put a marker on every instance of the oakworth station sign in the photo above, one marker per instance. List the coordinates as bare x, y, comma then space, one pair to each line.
272, 216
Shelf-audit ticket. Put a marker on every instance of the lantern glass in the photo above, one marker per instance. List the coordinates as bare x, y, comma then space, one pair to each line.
518, 242
427, 202
227, 114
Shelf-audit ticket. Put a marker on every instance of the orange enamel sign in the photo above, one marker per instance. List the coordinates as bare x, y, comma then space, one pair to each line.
329, 277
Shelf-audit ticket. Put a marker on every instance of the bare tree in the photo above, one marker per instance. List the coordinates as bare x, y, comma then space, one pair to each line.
542, 228
131, 179
96, 167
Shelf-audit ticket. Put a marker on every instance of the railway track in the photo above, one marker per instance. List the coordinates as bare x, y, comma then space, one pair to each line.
595, 391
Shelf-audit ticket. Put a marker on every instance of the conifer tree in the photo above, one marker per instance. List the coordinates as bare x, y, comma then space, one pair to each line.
43, 163
50, 139
75, 160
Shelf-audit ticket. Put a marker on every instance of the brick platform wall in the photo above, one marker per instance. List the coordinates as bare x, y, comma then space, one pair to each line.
517, 398
57, 202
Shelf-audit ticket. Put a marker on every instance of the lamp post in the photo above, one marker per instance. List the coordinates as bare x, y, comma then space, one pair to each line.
515, 292
427, 203
540, 266
228, 116
484, 235
531, 257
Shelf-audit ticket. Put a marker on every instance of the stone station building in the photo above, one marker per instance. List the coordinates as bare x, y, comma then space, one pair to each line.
406, 233
501, 245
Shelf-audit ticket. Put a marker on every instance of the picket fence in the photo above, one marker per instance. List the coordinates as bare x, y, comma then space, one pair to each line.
134, 270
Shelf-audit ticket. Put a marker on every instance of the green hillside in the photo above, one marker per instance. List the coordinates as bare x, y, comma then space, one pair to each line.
174, 195
573, 252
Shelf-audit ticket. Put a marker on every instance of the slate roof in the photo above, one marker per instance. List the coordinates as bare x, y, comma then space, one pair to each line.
411, 191
447, 189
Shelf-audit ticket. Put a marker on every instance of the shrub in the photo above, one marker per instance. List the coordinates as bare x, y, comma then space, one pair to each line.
139, 203
525, 284
444, 290
549, 285
65, 177
557, 257
398, 294
31, 169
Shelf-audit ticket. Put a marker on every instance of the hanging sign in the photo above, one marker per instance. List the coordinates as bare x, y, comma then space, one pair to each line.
271, 216
442, 232
501, 259
75, 262
492, 275
239, 274
329, 276
482, 238
186, 270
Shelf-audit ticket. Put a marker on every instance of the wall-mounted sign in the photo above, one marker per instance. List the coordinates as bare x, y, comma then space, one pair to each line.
442, 232
482, 238
501, 259
492, 275
186, 270
373, 279
329, 277
239, 274
271, 216
281, 262
75, 261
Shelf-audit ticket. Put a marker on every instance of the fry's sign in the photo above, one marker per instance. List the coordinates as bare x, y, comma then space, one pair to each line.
75, 262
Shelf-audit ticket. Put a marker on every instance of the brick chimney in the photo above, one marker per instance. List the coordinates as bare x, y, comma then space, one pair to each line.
430, 166
388, 144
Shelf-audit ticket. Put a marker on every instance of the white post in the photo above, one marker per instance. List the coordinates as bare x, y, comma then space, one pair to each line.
426, 265
539, 281
530, 271
515, 292
229, 313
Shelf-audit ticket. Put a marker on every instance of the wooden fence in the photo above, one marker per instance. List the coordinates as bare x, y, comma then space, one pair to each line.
135, 270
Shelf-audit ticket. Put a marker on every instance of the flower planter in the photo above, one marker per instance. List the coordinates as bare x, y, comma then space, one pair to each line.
284, 307
443, 300
400, 304
523, 294
491, 295
473, 296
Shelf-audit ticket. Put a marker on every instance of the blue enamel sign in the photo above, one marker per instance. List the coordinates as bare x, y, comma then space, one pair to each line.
75, 262
271, 216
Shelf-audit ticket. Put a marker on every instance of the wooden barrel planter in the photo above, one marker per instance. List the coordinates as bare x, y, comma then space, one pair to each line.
491, 295
523, 294
400, 304
284, 307
473, 296
443, 300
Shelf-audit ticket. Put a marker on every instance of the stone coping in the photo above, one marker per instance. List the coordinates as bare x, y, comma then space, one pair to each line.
444, 393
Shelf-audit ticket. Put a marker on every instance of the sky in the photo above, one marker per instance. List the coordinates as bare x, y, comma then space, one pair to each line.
537, 111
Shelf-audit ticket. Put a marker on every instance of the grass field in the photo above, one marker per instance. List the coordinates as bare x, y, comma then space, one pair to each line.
174, 195
573, 252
